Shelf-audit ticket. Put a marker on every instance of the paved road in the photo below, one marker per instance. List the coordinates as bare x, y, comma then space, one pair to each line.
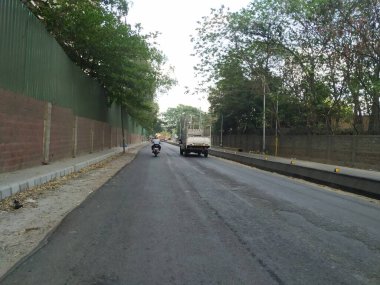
196, 220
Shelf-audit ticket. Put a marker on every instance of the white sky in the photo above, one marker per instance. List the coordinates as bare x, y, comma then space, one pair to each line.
176, 21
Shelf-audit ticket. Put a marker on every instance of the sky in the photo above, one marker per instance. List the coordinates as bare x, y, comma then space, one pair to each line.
176, 21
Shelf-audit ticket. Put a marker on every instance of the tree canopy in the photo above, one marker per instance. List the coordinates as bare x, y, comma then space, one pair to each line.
174, 119
319, 59
94, 34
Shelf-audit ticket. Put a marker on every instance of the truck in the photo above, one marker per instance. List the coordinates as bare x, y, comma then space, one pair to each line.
194, 141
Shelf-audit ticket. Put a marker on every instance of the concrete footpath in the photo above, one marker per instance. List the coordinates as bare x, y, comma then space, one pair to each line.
366, 182
21, 180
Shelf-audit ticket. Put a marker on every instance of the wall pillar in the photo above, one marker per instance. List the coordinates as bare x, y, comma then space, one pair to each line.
47, 128
92, 139
75, 136
103, 141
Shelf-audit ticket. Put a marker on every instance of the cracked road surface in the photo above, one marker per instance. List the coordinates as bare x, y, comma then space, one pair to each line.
195, 220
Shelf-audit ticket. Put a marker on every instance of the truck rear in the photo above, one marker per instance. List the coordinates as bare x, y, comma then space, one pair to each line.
194, 141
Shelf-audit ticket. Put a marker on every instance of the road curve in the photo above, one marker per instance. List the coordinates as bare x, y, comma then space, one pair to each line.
195, 220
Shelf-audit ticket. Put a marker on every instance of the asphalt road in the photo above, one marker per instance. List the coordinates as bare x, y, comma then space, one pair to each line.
195, 220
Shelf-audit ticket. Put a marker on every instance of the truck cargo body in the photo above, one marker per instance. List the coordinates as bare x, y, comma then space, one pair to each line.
194, 141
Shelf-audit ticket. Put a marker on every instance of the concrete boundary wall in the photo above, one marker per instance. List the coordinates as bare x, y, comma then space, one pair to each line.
345, 150
34, 132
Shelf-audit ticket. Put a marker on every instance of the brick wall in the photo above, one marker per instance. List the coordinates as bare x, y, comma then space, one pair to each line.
33, 132
353, 151
21, 131
61, 136
98, 137
116, 136
107, 136
84, 133
367, 151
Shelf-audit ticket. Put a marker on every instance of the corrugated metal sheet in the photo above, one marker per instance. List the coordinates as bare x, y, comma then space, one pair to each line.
33, 64
130, 123
12, 45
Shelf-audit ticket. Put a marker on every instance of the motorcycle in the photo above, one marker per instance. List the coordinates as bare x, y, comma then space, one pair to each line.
156, 150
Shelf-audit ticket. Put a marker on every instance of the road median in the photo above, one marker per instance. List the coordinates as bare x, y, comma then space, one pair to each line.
365, 182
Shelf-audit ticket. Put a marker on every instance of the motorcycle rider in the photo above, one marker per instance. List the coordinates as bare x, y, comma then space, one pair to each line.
156, 142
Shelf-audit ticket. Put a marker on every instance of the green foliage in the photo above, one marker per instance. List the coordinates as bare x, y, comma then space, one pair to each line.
94, 36
176, 118
316, 58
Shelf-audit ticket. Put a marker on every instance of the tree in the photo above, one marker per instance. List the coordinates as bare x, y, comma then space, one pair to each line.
120, 57
237, 53
174, 119
356, 39
318, 58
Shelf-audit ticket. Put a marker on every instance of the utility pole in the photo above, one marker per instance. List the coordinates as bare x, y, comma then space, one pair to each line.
264, 114
210, 135
276, 139
221, 132
200, 118
182, 122
122, 127
180, 129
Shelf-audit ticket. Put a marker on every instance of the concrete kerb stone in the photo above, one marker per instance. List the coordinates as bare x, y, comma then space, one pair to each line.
84, 164
15, 188
11, 189
5, 191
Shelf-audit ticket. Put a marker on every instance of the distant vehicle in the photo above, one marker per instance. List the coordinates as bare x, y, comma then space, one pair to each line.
194, 141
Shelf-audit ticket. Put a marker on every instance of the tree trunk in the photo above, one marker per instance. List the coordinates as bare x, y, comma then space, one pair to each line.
358, 116
374, 119
122, 127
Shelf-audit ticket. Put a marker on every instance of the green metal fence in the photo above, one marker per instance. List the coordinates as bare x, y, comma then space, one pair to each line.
33, 64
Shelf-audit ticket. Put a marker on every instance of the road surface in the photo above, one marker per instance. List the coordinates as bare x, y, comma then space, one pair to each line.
193, 220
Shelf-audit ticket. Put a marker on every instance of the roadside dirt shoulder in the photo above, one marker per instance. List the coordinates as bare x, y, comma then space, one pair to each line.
45, 206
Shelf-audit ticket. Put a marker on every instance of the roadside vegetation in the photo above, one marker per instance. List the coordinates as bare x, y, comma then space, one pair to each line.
318, 59
174, 119
126, 62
